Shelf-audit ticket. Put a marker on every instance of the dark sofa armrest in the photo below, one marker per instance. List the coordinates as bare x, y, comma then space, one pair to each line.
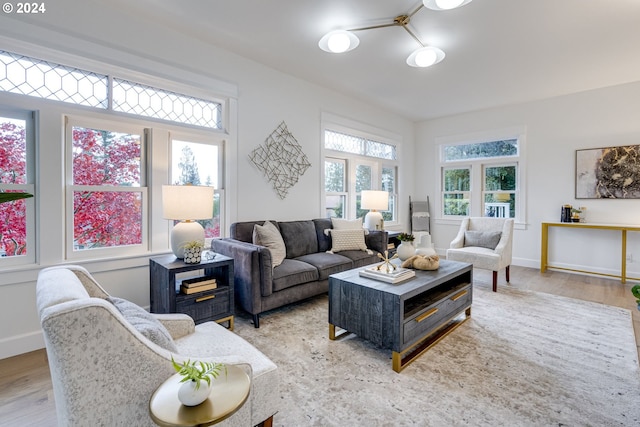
377, 240
253, 270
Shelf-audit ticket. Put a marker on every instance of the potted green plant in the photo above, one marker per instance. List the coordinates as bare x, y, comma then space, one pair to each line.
196, 379
405, 250
193, 251
636, 293
10, 197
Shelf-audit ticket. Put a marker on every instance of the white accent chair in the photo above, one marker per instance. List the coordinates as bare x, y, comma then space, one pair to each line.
486, 243
104, 370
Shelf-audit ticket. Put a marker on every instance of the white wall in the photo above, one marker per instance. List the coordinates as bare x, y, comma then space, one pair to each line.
259, 98
555, 129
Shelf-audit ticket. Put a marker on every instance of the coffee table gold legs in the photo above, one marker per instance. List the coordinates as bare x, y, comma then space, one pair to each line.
400, 360
332, 332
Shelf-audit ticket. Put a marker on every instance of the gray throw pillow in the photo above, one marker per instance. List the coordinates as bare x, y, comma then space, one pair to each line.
483, 239
144, 323
269, 236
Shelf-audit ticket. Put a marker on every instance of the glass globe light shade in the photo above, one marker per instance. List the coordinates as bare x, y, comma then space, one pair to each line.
338, 41
425, 57
444, 4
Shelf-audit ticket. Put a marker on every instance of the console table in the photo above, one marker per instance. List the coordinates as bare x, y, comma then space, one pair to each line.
544, 256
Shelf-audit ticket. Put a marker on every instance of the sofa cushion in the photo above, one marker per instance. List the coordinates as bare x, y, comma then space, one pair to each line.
324, 240
293, 272
347, 240
346, 224
145, 323
482, 239
268, 235
327, 263
243, 231
360, 258
299, 237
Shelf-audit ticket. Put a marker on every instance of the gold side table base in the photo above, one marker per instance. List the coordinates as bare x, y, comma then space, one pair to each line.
227, 319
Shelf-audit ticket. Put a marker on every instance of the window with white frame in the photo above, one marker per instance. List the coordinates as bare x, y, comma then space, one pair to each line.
106, 195
106, 187
356, 162
481, 179
17, 174
197, 160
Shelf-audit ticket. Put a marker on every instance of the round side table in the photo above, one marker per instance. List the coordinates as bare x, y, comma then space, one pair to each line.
228, 393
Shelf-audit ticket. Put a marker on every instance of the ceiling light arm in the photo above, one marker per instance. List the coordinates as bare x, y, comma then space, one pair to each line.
414, 36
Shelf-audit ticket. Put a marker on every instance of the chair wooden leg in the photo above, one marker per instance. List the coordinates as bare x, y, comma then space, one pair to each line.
256, 320
495, 281
266, 423
507, 272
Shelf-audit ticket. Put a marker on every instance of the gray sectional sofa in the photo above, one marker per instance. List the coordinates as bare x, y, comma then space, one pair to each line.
303, 273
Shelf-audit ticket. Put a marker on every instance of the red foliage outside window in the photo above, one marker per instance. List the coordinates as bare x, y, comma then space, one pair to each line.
13, 170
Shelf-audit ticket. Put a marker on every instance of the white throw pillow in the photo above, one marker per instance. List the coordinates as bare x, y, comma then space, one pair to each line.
269, 236
345, 224
348, 240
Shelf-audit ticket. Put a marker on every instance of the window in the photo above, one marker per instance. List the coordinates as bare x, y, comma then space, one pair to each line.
199, 163
354, 163
106, 193
482, 179
42, 79
17, 175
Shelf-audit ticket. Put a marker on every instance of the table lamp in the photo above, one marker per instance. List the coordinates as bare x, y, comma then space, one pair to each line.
375, 201
186, 203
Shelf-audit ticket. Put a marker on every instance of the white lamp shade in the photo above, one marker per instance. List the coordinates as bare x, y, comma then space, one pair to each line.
339, 41
444, 4
187, 202
425, 57
373, 199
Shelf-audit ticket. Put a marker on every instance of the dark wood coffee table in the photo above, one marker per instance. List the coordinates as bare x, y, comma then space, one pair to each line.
409, 317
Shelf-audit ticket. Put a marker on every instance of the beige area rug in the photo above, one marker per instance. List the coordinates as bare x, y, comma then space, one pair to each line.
523, 359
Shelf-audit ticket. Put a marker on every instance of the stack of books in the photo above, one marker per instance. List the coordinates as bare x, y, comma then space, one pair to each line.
199, 284
395, 276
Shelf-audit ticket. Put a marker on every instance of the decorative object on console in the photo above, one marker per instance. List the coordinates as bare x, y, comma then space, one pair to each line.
375, 201
193, 251
386, 264
340, 41
196, 380
186, 203
406, 249
422, 262
281, 160
608, 173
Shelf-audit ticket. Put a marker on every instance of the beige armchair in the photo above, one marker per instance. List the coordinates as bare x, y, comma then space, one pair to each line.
486, 243
104, 368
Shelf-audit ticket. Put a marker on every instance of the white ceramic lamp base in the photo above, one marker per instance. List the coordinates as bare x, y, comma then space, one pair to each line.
183, 232
373, 220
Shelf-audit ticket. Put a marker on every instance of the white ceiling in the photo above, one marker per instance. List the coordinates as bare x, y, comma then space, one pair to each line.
499, 52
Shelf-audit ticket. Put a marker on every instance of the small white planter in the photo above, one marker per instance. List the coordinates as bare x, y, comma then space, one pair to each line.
405, 251
189, 396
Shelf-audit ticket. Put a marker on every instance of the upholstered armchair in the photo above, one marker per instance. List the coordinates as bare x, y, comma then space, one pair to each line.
486, 243
106, 361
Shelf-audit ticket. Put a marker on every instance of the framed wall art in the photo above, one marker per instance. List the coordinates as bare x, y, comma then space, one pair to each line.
608, 173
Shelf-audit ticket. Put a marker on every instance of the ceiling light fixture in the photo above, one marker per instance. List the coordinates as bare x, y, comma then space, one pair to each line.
340, 41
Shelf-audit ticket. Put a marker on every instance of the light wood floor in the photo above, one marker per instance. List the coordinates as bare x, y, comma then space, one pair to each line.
26, 394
